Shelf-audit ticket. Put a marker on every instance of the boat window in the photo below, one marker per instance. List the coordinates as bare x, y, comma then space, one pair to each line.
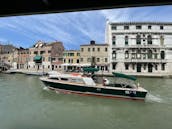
76, 80
129, 86
54, 78
64, 79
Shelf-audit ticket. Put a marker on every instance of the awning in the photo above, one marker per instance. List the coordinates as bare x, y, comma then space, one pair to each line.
37, 58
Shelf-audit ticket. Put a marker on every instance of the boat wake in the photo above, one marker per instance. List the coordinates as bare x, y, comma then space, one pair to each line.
153, 98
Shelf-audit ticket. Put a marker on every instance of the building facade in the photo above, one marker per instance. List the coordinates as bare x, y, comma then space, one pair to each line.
94, 54
46, 56
6, 55
140, 47
71, 60
20, 58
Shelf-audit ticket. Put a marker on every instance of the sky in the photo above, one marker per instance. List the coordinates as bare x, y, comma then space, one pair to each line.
74, 28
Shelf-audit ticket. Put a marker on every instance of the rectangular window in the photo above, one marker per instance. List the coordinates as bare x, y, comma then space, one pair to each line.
78, 54
161, 27
82, 49
144, 56
88, 59
88, 49
156, 67
64, 54
53, 59
133, 56
138, 56
144, 66
77, 61
106, 59
113, 27
113, 66
113, 42
138, 27
49, 51
98, 59
98, 49
71, 54
126, 27
106, 49
36, 52
42, 52
133, 66
49, 58
126, 66
149, 27
93, 49
163, 66
81, 59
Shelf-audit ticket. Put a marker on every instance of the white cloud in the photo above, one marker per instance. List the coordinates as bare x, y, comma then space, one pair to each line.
76, 28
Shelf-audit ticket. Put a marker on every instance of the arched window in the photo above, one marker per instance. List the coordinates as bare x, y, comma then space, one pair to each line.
113, 40
149, 54
162, 40
149, 39
138, 54
138, 39
162, 55
126, 55
126, 40
114, 55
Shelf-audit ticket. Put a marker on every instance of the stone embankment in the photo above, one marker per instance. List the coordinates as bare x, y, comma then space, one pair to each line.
153, 75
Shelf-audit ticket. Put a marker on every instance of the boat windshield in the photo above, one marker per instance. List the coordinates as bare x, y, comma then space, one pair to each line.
121, 82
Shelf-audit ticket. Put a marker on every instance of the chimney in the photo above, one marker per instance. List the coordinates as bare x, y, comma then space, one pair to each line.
92, 42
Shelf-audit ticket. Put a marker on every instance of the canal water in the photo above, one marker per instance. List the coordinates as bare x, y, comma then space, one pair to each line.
26, 104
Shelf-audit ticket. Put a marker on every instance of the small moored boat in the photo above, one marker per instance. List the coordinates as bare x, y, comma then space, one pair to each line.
121, 86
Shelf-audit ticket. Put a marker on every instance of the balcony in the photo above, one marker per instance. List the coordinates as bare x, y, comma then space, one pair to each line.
139, 46
146, 60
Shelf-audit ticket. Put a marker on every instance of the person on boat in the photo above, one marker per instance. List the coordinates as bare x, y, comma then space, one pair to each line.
105, 81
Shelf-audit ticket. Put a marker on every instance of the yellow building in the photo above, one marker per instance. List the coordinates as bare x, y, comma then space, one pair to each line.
71, 60
94, 54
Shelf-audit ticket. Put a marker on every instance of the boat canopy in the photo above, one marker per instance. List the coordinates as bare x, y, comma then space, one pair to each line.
121, 75
90, 69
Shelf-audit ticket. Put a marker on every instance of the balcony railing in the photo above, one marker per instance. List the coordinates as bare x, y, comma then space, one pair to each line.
141, 46
146, 60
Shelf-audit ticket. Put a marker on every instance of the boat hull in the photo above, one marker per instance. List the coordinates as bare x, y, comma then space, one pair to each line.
96, 91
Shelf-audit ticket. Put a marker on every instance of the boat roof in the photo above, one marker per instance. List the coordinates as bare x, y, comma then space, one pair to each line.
75, 75
121, 75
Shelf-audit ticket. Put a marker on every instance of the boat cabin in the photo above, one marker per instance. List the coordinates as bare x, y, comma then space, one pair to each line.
73, 78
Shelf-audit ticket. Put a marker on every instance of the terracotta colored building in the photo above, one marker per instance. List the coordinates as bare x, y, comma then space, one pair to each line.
46, 56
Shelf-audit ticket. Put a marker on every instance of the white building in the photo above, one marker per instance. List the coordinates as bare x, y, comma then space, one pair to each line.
140, 47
